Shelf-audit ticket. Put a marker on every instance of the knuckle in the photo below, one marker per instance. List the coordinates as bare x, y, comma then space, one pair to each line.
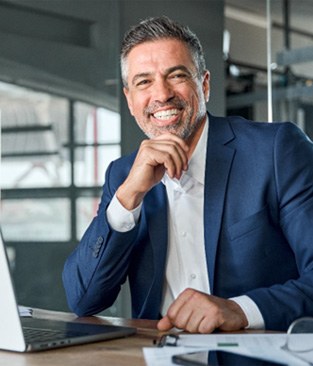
172, 148
215, 311
171, 313
206, 327
194, 296
189, 291
144, 143
179, 324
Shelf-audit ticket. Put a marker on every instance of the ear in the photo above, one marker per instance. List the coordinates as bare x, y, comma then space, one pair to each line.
206, 85
128, 99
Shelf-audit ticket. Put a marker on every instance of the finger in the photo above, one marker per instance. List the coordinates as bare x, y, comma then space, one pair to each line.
189, 316
182, 298
182, 318
181, 146
207, 325
171, 137
171, 156
164, 324
180, 303
165, 159
178, 147
192, 311
194, 323
156, 153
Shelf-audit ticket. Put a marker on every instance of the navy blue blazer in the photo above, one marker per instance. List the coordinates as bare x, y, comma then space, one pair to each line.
258, 223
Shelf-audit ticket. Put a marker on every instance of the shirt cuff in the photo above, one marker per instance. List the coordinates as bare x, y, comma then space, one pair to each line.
251, 310
119, 218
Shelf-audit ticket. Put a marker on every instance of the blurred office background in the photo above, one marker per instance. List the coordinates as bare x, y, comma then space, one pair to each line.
64, 118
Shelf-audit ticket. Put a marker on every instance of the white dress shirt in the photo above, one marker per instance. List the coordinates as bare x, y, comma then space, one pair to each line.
186, 260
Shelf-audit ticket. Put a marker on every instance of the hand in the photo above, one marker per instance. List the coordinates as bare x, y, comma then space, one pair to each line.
165, 153
197, 312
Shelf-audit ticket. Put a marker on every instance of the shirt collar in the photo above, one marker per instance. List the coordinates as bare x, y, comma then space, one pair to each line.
196, 167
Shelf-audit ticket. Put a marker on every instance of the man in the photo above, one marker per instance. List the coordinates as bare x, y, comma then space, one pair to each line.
211, 219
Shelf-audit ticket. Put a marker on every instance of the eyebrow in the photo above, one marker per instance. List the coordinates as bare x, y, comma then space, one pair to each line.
140, 76
167, 72
177, 68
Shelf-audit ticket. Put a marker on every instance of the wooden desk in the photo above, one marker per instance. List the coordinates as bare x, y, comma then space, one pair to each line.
122, 351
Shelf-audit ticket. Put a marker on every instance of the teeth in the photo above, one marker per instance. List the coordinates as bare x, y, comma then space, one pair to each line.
166, 114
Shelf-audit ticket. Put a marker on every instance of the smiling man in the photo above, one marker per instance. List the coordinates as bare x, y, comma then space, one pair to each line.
169, 96
211, 218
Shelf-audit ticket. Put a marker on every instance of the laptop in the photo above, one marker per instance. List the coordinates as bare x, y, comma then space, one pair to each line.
27, 334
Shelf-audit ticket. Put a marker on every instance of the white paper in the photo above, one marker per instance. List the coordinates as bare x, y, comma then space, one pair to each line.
265, 346
163, 356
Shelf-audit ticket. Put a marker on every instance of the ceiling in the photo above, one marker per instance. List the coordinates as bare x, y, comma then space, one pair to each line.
242, 13
301, 11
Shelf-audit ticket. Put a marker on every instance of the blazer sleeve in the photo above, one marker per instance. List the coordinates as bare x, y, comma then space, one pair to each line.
96, 269
293, 165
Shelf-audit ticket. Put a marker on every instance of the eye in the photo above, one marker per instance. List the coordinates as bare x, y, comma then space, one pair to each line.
142, 83
179, 77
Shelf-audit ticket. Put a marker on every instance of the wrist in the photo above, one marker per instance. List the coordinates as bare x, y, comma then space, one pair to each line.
129, 199
251, 311
241, 316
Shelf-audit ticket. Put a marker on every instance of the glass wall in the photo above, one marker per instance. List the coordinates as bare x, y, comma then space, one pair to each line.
291, 60
43, 160
292, 64
54, 155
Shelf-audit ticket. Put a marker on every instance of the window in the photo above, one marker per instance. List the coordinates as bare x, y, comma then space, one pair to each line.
54, 155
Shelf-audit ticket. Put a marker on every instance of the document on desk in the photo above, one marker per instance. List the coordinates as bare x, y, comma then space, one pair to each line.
265, 346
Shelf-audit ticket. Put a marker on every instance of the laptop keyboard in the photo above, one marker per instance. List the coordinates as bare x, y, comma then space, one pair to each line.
40, 335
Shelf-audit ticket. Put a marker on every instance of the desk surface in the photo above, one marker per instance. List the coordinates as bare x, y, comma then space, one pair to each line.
122, 351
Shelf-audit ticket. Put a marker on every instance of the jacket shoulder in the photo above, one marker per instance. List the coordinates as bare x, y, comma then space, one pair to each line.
241, 125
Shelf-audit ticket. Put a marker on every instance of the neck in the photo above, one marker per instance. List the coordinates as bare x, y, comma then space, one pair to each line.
194, 138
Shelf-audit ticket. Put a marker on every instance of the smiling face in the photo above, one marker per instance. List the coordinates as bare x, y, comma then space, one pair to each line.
164, 92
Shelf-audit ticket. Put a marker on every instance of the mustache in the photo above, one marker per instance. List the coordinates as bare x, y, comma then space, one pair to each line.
176, 103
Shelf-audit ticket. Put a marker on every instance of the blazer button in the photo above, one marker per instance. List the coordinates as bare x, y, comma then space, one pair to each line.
99, 240
96, 252
97, 246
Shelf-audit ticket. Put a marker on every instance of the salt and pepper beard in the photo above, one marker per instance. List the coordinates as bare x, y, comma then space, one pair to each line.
183, 128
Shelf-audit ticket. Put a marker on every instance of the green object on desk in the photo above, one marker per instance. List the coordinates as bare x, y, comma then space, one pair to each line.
223, 344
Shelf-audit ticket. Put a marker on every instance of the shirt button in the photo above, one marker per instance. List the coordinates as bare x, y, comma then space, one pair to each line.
193, 276
183, 234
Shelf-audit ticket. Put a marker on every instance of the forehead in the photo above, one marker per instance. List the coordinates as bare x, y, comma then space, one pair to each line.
157, 54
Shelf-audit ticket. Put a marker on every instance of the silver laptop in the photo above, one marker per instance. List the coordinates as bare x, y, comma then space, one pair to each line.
27, 334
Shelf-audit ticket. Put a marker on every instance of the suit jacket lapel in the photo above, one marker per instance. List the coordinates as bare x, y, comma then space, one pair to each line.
218, 164
156, 212
158, 226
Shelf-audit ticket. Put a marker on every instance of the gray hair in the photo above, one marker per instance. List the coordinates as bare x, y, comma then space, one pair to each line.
152, 29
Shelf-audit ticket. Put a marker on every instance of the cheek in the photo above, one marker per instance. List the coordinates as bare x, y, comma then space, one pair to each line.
193, 93
195, 99
138, 105
200, 96
137, 109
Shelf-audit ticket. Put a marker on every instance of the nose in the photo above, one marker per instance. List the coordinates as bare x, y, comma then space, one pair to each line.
162, 91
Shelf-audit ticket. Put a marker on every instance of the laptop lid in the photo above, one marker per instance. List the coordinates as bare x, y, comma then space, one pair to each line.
11, 334
60, 333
